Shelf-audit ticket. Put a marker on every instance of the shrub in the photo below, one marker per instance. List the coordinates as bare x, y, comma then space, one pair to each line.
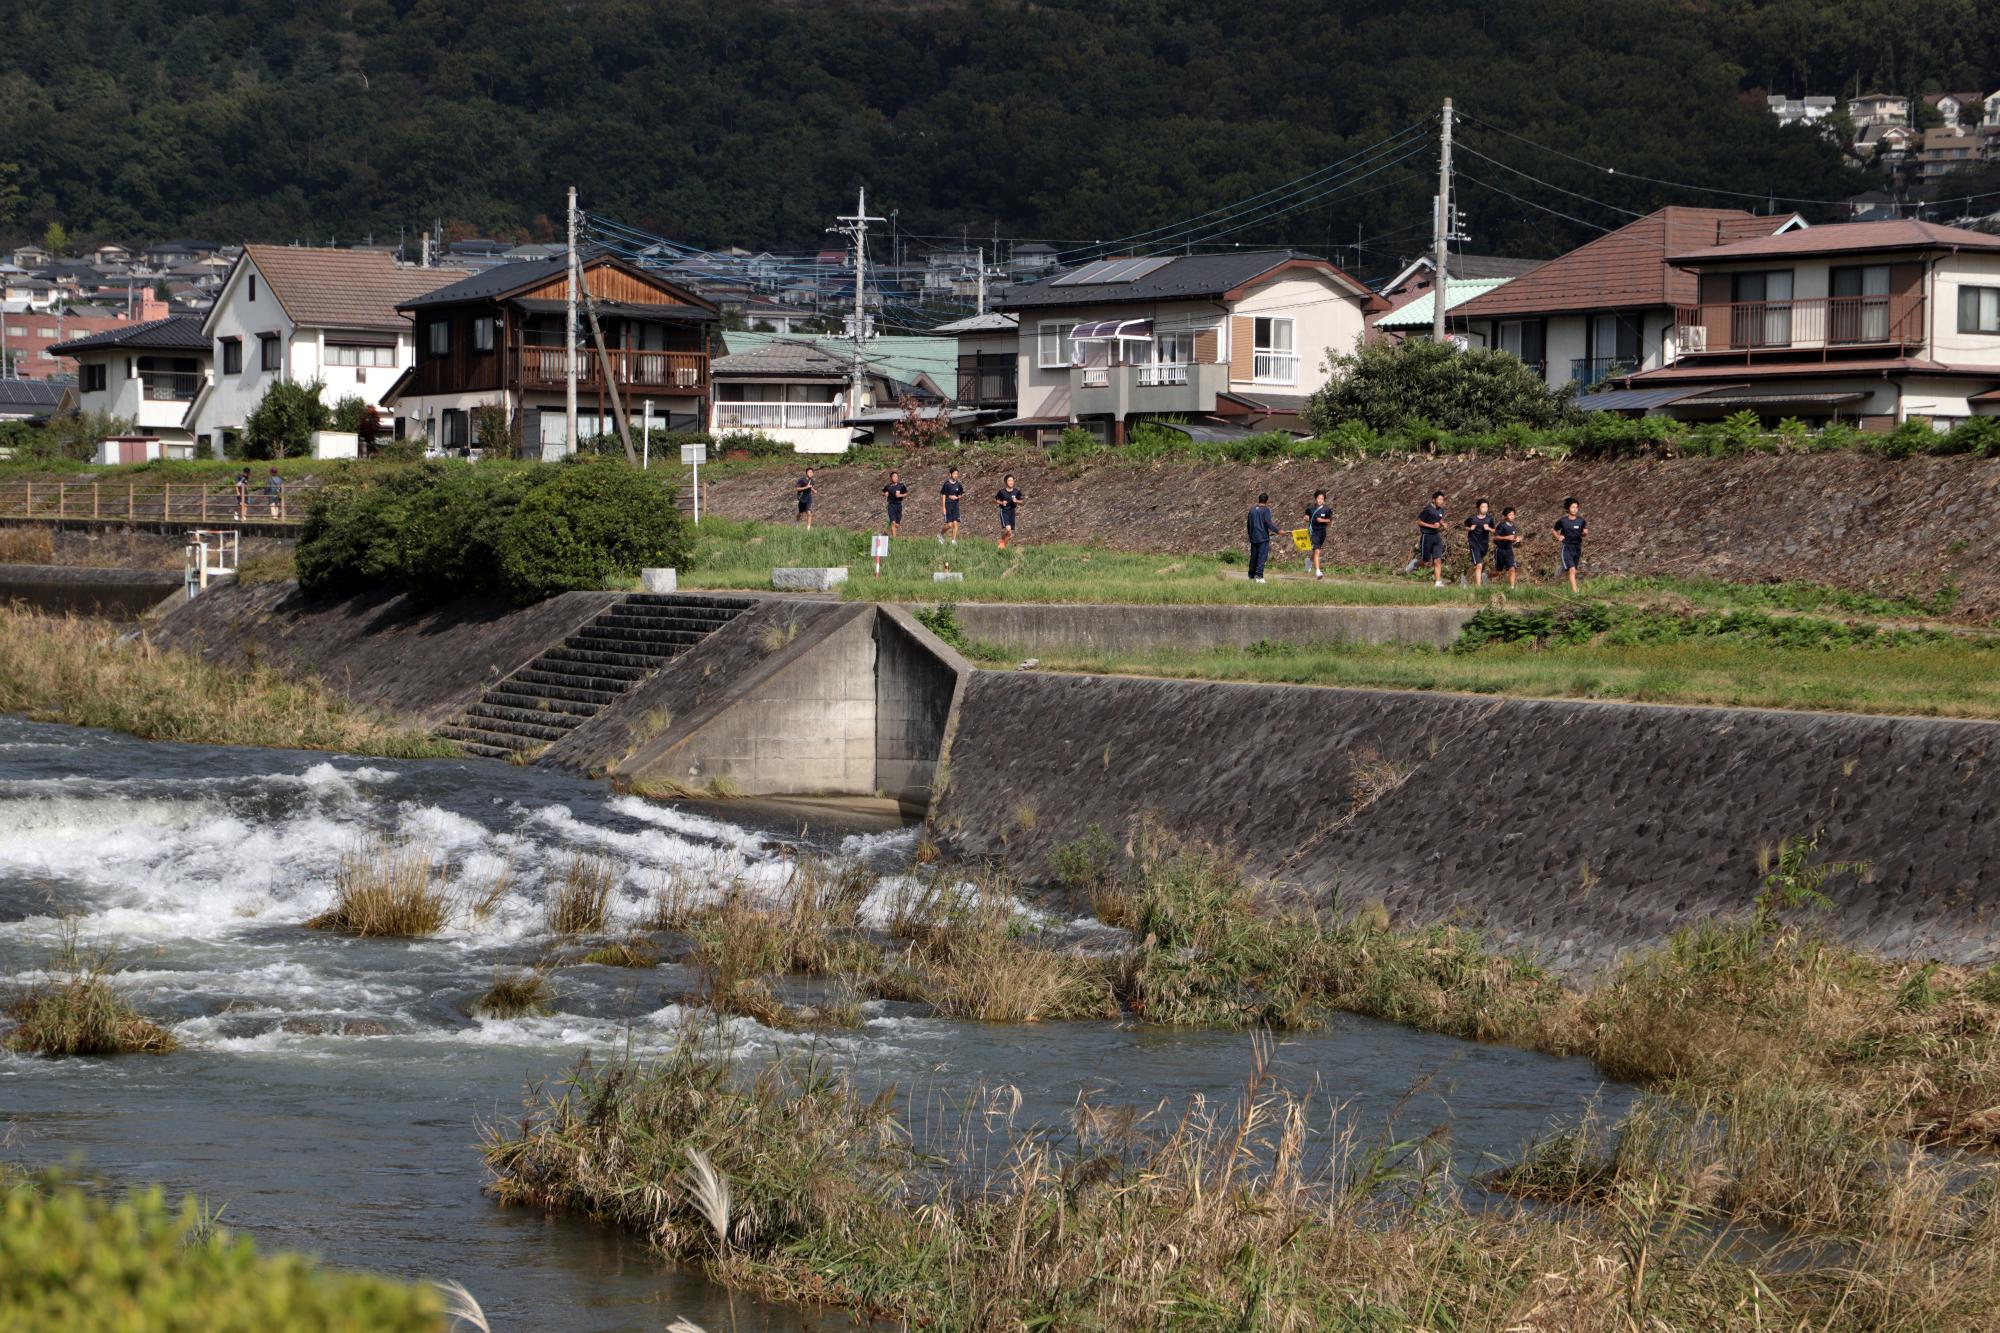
1389, 386
491, 431
71, 1258
754, 443
282, 424
77, 1011
591, 521
349, 413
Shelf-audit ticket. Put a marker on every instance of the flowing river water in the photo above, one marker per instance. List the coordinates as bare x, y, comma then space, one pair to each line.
329, 1091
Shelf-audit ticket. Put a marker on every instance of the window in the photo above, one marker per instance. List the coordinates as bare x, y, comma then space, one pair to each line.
457, 428
438, 338
1763, 315
46, 331
1057, 349
17, 330
93, 377
1979, 310
1527, 339
359, 354
232, 356
253, 286
1859, 311
1165, 359
270, 351
128, 367
1275, 359
482, 334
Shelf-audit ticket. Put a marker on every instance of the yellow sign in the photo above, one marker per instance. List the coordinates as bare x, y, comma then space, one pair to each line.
1301, 539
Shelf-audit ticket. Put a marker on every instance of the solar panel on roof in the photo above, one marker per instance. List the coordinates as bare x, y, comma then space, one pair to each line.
1088, 273
1104, 271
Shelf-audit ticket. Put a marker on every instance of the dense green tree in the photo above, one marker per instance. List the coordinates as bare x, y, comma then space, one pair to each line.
1390, 386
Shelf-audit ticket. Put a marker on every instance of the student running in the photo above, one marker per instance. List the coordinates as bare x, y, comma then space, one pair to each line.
274, 492
893, 492
1262, 527
1478, 540
1506, 536
1008, 497
1571, 527
805, 489
949, 496
1430, 537
243, 496
1318, 515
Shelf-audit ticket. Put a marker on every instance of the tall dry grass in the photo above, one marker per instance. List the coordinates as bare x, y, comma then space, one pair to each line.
1268, 1211
579, 902
79, 1010
389, 889
86, 673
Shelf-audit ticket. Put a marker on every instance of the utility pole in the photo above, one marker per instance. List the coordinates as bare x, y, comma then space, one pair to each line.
569, 333
854, 226
1443, 223
982, 279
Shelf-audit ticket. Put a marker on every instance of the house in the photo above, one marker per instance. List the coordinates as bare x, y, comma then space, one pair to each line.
300, 314
1607, 307
1878, 109
171, 254
1871, 322
30, 337
1885, 144
803, 392
1416, 279
150, 373
1956, 110
108, 255
1242, 338
1946, 150
1415, 316
29, 293
497, 339
28, 400
988, 347
1869, 206
1031, 260
1810, 109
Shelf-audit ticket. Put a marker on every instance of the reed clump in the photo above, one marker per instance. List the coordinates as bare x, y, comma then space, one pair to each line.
579, 902
400, 891
78, 1010
1267, 1211
634, 951
86, 673
522, 993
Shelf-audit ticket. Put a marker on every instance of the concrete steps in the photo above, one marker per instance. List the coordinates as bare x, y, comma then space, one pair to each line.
568, 684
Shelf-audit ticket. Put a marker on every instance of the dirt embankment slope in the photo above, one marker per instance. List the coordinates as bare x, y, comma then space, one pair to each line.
1903, 526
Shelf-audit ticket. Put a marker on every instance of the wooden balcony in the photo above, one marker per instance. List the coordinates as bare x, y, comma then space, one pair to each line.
658, 372
1891, 324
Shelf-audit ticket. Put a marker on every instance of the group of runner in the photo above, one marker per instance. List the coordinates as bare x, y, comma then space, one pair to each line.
1490, 539
951, 497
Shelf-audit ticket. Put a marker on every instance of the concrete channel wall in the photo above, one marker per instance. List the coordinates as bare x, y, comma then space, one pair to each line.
1031, 630
1579, 830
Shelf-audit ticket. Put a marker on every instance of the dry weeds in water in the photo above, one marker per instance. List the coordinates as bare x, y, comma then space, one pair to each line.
78, 1010
391, 890
85, 673
523, 993
580, 901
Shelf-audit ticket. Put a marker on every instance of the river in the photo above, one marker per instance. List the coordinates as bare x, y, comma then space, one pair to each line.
329, 1091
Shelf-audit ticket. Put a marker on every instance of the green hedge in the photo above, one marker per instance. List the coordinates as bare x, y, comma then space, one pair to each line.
446, 528
72, 1259
1572, 624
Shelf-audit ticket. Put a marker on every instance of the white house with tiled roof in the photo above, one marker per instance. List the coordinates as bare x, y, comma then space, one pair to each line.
149, 372
303, 314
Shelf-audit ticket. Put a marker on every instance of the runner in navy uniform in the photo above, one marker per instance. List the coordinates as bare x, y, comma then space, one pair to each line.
1430, 537
806, 498
949, 496
1318, 516
893, 492
1008, 497
1571, 527
1506, 537
1261, 527
1478, 538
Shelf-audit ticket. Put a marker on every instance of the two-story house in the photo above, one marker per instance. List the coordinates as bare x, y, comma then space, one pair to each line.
147, 373
1870, 322
1240, 339
1606, 308
989, 348
497, 339
298, 314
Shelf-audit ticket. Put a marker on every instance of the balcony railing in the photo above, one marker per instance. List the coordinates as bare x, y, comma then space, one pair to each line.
1275, 367
1809, 324
986, 381
548, 367
1163, 372
778, 416
169, 386
1587, 372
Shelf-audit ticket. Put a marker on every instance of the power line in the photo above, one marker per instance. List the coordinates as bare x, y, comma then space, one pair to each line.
1568, 217
1467, 148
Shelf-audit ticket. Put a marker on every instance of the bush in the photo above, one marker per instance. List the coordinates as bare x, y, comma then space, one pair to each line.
349, 413
1391, 386
284, 421
70, 1258
754, 443
591, 521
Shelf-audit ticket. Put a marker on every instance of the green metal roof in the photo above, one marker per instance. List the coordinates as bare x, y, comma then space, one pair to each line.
1417, 314
903, 358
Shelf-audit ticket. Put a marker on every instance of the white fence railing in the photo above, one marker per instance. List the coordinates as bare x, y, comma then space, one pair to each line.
777, 416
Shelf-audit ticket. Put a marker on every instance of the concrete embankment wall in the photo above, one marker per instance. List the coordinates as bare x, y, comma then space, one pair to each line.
381, 650
1580, 830
1031, 629
66, 588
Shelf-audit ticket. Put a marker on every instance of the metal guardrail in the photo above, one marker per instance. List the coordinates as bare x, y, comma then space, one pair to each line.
165, 503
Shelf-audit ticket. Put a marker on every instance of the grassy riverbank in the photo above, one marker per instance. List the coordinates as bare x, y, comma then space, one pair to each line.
88, 673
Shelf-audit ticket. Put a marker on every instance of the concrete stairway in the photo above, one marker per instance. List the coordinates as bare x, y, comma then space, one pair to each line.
566, 686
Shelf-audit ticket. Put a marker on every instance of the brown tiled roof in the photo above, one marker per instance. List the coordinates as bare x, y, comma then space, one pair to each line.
1696, 371
1846, 238
343, 289
1621, 269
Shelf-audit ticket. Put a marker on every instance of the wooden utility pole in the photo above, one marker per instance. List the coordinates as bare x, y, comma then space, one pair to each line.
569, 333
1442, 224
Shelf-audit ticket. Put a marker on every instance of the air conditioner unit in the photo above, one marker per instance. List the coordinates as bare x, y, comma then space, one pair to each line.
1694, 338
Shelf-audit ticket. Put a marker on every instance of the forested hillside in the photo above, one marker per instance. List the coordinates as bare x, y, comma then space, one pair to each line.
752, 121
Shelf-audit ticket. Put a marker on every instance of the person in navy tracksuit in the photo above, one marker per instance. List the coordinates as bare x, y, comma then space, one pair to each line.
1261, 528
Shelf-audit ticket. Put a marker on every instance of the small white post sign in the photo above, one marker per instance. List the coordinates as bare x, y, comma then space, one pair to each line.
878, 547
694, 455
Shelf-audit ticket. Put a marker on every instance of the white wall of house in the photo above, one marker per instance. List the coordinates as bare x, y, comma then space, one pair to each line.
805, 414
1325, 320
1948, 345
123, 394
317, 354
1945, 401
1043, 390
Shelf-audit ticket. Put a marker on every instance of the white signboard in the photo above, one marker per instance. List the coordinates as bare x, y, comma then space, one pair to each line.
879, 548
693, 455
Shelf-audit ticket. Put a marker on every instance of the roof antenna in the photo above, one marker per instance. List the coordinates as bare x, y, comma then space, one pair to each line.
1718, 231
